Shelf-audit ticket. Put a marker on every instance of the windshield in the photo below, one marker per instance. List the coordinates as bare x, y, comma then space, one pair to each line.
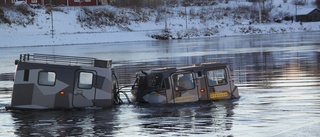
151, 82
183, 81
216, 77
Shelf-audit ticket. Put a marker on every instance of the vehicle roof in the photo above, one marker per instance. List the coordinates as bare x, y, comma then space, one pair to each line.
65, 60
195, 67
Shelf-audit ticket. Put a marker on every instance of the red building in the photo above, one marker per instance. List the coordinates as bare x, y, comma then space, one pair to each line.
6, 3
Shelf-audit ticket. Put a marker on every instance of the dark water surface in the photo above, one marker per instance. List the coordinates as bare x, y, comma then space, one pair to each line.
278, 76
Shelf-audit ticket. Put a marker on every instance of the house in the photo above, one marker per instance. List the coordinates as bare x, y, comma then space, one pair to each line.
308, 15
6, 3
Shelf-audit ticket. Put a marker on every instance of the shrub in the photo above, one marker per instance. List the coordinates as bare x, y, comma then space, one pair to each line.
49, 9
111, 16
141, 3
19, 14
24, 9
299, 2
282, 15
3, 18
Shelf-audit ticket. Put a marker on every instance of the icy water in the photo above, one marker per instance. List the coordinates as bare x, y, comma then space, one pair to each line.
278, 76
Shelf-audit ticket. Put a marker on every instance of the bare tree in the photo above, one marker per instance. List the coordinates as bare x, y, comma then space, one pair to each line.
299, 2
317, 3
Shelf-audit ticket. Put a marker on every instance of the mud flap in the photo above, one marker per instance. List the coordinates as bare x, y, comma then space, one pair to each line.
235, 93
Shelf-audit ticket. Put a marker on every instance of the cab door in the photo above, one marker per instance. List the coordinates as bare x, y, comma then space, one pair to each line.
218, 86
184, 87
84, 90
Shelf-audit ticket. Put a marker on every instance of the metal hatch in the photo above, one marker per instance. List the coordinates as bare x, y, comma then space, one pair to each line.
218, 83
184, 87
84, 88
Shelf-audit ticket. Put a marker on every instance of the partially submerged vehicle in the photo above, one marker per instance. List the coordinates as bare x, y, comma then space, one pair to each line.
45, 81
206, 81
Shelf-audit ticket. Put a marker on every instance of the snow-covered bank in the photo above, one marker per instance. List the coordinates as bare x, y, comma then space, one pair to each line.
67, 39
67, 29
14, 37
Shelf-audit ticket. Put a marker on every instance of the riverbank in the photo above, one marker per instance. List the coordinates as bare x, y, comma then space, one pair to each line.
62, 27
22, 37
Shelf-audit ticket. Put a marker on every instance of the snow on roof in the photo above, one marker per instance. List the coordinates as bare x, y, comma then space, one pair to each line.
305, 11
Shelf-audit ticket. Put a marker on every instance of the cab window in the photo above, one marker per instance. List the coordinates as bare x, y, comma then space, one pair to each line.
183, 81
47, 78
85, 80
216, 77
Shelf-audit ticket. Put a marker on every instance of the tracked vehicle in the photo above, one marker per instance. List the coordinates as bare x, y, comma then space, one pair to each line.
45, 81
206, 81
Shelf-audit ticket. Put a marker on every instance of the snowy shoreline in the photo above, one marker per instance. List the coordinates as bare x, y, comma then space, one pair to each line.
67, 30
18, 39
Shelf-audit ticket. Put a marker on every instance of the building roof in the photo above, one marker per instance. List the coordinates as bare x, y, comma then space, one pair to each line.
305, 11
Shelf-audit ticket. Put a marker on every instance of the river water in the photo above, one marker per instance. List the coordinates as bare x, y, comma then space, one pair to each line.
278, 78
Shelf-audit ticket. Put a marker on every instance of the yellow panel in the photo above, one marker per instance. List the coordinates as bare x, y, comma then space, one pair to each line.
217, 95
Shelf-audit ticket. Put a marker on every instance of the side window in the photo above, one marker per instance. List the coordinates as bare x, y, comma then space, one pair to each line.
85, 80
183, 81
47, 78
26, 75
216, 77
166, 84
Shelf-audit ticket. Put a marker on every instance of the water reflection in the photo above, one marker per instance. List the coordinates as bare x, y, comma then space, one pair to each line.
180, 119
271, 70
93, 122
278, 75
139, 120
257, 69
